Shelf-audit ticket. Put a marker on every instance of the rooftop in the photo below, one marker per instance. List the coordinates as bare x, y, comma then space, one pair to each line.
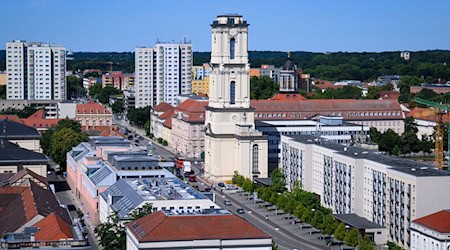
91, 108
14, 130
127, 194
24, 203
53, 227
158, 227
406, 166
356, 221
439, 221
11, 153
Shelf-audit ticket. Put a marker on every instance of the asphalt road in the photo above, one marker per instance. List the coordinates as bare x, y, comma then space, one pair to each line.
285, 240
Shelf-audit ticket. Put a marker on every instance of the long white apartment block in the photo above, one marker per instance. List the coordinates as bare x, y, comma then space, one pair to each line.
36, 71
162, 73
388, 191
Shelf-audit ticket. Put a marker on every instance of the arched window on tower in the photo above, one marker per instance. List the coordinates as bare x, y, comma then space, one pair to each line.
232, 47
232, 92
255, 154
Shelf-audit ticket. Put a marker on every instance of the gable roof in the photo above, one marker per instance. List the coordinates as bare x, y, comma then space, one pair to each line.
53, 227
38, 120
14, 130
158, 227
14, 154
439, 221
91, 108
24, 203
191, 110
162, 107
350, 109
23, 173
14, 118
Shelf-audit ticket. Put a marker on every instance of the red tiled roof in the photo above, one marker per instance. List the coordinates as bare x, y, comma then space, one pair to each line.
166, 114
11, 117
427, 114
53, 227
168, 122
38, 120
162, 107
350, 109
323, 84
111, 131
24, 203
92, 108
288, 97
389, 95
439, 221
160, 227
192, 110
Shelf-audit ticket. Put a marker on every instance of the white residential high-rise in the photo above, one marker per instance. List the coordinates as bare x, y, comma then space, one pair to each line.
162, 73
36, 71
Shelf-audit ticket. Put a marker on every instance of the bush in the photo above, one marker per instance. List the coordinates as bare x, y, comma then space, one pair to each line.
165, 143
159, 140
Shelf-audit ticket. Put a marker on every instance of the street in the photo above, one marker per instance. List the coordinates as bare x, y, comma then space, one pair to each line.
287, 236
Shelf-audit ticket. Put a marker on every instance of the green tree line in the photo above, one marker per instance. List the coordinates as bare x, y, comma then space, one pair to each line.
431, 64
305, 206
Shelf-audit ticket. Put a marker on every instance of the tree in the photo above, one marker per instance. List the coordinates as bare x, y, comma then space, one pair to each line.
47, 135
352, 237
298, 211
329, 224
63, 141
75, 87
307, 215
339, 234
262, 87
365, 244
3, 92
317, 220
147, 126
274, 245
112, 233
278, 181
117, 107
139, 116
393, 246
388, 140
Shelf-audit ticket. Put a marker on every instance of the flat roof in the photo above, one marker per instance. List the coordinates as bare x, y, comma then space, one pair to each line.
356, 221
399, 164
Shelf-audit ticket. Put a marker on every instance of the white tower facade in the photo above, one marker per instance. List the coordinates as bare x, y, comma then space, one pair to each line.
231, 141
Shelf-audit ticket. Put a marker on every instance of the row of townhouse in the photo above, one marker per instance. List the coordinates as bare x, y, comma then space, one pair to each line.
387, 191
343, 121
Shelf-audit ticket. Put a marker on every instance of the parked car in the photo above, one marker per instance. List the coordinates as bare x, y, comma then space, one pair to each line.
192, 178
227, 203
240, 211
137, 141
130, 137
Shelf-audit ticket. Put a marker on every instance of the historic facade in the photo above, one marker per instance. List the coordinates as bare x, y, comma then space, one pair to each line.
231, 141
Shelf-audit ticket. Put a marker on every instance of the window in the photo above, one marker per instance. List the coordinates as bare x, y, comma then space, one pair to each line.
232, 92
232, 45
255, 158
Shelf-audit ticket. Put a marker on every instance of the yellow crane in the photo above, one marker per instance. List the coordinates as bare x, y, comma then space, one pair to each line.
439, 111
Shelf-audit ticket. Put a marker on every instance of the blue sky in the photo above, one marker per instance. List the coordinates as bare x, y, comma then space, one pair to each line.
305, 25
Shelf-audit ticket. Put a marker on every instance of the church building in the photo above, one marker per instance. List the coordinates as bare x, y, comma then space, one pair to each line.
231, 141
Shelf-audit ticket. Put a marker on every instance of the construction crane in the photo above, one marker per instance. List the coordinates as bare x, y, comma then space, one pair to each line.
439, 111
104, 62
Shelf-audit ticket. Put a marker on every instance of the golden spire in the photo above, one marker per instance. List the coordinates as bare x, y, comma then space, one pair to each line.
289, 54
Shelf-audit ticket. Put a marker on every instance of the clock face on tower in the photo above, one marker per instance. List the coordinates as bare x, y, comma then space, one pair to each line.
233, 32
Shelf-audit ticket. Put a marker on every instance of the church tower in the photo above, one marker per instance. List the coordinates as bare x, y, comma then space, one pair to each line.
231, 141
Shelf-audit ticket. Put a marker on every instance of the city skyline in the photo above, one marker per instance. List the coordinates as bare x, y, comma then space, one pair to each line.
292, 25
